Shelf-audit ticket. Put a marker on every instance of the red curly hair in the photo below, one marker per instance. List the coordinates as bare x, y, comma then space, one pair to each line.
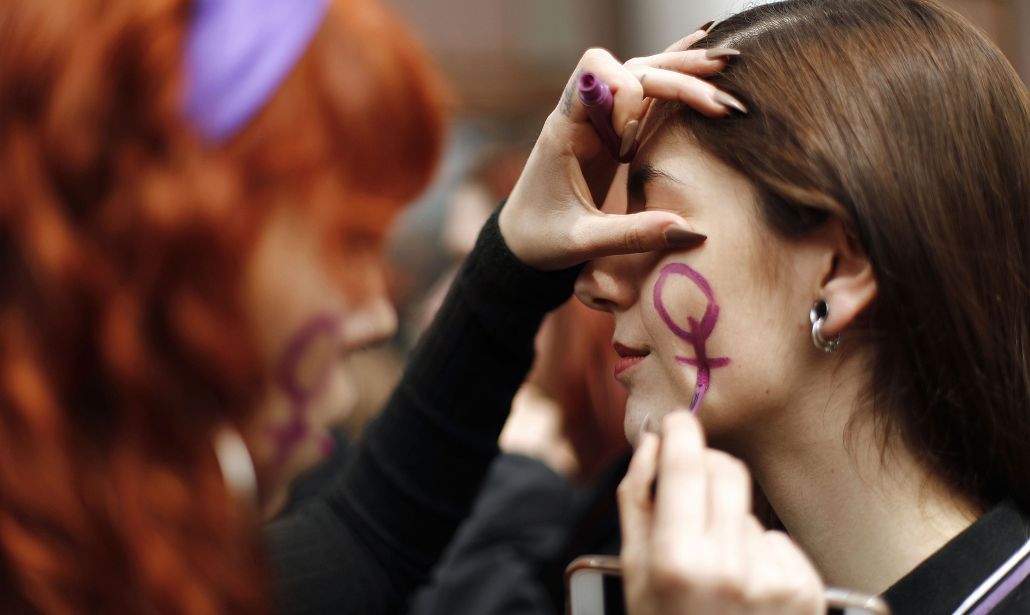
123, 241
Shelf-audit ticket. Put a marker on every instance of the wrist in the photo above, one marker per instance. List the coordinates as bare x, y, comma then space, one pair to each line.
493, 268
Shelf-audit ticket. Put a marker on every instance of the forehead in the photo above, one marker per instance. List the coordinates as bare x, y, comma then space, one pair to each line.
670, 159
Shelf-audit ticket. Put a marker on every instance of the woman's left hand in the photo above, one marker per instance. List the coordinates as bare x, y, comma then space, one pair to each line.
696, 548
551, 220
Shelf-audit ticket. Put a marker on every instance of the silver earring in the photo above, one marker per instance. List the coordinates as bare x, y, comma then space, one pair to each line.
817, 316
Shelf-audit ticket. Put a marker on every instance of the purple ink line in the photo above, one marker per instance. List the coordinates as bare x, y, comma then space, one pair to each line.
287, 436
286, 366
699, 331
1002, 591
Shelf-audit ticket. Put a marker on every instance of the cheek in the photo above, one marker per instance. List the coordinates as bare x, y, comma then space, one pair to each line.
684, 315
767, 343
303, 373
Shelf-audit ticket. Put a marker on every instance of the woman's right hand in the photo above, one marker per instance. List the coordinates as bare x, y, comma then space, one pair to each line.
693, 546
551, 220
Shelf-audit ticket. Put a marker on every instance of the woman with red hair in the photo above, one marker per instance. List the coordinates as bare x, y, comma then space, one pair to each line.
192, 196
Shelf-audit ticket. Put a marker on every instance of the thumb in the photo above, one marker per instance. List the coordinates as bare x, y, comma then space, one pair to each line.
608, 234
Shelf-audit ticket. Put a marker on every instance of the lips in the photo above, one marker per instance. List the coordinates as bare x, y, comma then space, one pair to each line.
628, 357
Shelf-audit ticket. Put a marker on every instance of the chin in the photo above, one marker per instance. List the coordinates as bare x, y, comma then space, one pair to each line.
633, 422
654, 400
638, 409
717, 423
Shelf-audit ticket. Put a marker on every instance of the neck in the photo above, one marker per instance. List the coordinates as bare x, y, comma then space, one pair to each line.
865, 515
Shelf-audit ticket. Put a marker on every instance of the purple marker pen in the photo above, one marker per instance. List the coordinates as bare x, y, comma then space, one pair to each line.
596, 96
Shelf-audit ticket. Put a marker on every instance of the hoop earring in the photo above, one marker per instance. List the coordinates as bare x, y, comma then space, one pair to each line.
817, 316
236, 464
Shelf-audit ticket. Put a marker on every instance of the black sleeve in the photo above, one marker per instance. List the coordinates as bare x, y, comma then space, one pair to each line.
371, 541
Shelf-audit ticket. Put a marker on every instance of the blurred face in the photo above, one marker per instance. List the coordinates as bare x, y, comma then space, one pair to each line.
721, 329
306, 325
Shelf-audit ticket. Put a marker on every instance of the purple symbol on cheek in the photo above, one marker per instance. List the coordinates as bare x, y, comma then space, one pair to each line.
287, 436
699, 331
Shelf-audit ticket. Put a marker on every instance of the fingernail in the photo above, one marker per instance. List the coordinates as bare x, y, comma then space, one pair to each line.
629, 137
689, 40
679, 237
716, 53
705, 26
725, 99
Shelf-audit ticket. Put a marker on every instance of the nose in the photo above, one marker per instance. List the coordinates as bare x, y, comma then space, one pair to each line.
609, 284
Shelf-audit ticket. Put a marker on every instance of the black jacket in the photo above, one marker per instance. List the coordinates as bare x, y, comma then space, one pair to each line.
951, 575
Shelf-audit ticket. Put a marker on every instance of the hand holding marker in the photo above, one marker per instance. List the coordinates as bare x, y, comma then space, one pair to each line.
562, 171
596, 97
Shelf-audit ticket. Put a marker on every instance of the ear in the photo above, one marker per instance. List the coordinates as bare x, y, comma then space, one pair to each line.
849, 284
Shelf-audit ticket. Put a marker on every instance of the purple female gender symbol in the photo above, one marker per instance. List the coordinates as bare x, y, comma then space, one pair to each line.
292, 433
699, 332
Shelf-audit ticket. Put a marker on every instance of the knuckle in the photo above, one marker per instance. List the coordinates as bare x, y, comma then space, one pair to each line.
756, 596
669, 575
554, 119
782, 593
633, 239
681, 62
596, 54
678, 576
729, 589
634, 88
578, 242
676, 571
767, 593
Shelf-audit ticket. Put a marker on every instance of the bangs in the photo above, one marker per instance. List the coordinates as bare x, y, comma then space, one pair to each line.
357, 128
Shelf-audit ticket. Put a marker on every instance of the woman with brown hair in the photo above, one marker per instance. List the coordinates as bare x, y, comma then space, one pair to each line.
855, 328
191, 202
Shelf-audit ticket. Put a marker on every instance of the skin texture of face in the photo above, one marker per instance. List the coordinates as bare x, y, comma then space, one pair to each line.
306, 324
725, 322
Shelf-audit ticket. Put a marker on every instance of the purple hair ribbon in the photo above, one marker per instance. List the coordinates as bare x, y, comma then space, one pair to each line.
237, 54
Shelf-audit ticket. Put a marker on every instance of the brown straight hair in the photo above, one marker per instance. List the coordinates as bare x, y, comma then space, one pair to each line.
900, 119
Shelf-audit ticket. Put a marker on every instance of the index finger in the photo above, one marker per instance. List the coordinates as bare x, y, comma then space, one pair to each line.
634, 496
680, 505
626, 92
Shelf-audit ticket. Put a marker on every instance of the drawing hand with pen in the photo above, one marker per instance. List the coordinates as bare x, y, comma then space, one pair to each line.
694, 546
552, 219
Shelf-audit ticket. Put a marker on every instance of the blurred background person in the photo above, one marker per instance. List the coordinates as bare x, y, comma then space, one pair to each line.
180, 276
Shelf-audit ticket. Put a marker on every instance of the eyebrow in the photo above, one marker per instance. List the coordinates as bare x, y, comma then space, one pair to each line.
643, 175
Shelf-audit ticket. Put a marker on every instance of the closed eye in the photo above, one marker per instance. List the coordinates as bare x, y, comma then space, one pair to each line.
637, 184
